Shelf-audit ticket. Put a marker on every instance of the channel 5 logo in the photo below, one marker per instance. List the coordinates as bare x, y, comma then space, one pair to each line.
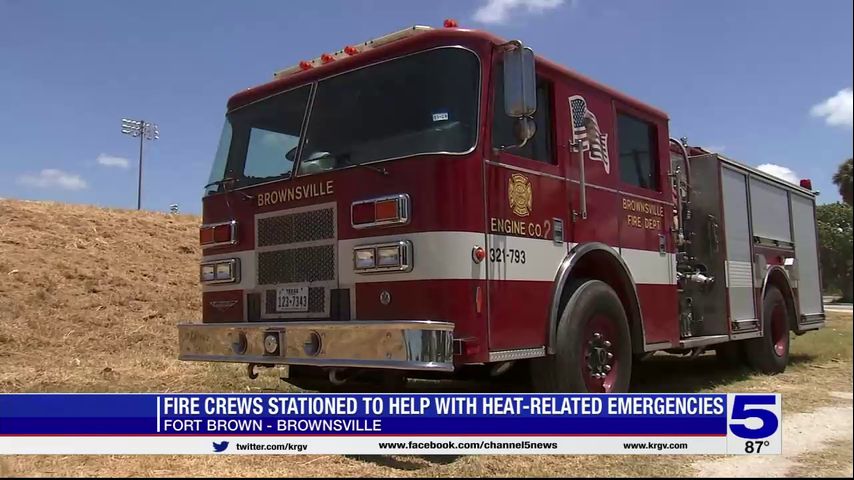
754, 416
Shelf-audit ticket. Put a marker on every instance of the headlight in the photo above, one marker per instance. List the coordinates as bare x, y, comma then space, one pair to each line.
363, 258
223, 271
388, 256
220, 271
208, 273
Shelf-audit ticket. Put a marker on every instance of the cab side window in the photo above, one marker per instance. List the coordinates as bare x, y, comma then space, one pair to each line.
638, 152
539, 147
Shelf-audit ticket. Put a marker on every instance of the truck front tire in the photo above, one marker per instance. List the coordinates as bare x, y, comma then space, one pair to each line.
593, 351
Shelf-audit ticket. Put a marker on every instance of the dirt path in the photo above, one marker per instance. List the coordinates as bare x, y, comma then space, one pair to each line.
802, 433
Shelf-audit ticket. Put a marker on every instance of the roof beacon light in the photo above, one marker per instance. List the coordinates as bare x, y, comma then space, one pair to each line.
806, 183
351, 50
450, 23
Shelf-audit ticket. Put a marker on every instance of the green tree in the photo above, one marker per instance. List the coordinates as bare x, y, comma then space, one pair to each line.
842, 179
835, 239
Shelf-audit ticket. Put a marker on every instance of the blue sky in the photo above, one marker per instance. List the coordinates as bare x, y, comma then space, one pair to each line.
766, 82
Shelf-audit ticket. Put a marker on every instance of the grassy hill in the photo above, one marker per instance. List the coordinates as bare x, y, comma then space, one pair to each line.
89, 299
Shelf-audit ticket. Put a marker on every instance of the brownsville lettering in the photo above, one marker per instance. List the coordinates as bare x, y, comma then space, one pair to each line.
299, 192
639, 206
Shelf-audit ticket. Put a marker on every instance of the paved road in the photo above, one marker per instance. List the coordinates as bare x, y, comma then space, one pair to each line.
838, 307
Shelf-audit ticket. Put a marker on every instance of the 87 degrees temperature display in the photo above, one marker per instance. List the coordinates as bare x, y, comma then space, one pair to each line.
754, 424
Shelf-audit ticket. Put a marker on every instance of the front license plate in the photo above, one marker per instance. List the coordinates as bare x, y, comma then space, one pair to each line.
292, 299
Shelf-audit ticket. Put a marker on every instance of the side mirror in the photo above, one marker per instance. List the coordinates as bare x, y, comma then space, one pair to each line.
520, 80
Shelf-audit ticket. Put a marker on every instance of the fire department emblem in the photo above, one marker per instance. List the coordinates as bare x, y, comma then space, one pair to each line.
520, 195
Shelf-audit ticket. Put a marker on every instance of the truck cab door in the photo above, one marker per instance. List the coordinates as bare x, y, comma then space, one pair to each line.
526, 220
641, 165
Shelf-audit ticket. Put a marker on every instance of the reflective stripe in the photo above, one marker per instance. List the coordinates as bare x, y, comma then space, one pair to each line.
650, 267
436, 256
541, 258
447, 256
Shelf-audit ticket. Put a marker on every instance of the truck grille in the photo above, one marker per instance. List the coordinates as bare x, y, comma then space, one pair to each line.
304, 264
297, 248
296, 228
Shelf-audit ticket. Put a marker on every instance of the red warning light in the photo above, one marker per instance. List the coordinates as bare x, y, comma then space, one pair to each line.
450, 23
351, 50
806, 183
305, 65
327, 58
478, 254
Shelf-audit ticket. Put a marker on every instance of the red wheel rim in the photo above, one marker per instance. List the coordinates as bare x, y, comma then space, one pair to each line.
779, 332
600, 363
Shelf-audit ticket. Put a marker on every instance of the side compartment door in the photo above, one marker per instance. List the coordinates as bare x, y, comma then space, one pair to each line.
739, 255
808, 283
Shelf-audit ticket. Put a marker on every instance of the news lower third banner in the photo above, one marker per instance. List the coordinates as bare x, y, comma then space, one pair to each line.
389, 424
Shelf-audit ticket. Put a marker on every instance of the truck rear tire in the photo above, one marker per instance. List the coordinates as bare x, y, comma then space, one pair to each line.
593, 351
769, 353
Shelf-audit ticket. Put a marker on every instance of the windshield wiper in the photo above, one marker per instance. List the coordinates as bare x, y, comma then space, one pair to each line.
344, 158
220, 183
380, 170
226, 183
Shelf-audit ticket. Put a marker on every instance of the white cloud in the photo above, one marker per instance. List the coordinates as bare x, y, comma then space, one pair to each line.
837, 110
112, 161
498, 11
53, 178
779, 171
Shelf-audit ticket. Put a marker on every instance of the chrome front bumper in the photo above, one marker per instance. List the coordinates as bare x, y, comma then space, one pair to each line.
403, 345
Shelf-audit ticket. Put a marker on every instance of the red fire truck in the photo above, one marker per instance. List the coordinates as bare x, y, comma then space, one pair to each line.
437, 202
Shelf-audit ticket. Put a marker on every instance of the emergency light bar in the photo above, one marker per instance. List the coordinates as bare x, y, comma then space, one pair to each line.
351, 50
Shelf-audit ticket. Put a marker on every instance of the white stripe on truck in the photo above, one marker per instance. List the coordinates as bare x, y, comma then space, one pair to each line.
447, 256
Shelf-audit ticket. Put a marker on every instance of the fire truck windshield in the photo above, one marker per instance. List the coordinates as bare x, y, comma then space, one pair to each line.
422, 103
425, 103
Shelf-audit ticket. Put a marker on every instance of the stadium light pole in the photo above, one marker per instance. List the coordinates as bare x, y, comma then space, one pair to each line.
145, 131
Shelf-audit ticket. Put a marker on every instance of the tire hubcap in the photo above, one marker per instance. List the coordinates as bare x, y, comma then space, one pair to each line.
600, 361
779, 332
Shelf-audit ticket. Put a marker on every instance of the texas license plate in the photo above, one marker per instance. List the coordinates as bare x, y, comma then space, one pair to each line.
292, 299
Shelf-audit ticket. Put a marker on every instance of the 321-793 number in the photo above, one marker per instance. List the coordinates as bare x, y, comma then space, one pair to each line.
509, 255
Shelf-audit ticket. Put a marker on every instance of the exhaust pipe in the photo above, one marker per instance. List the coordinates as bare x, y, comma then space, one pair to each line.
697, 352
335, 379
501, 368
252, 369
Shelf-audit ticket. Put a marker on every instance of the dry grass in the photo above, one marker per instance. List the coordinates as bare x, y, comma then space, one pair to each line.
89, 298
88, 302
832, 461
820, 362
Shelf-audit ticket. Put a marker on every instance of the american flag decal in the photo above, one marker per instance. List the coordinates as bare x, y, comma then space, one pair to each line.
586, 129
